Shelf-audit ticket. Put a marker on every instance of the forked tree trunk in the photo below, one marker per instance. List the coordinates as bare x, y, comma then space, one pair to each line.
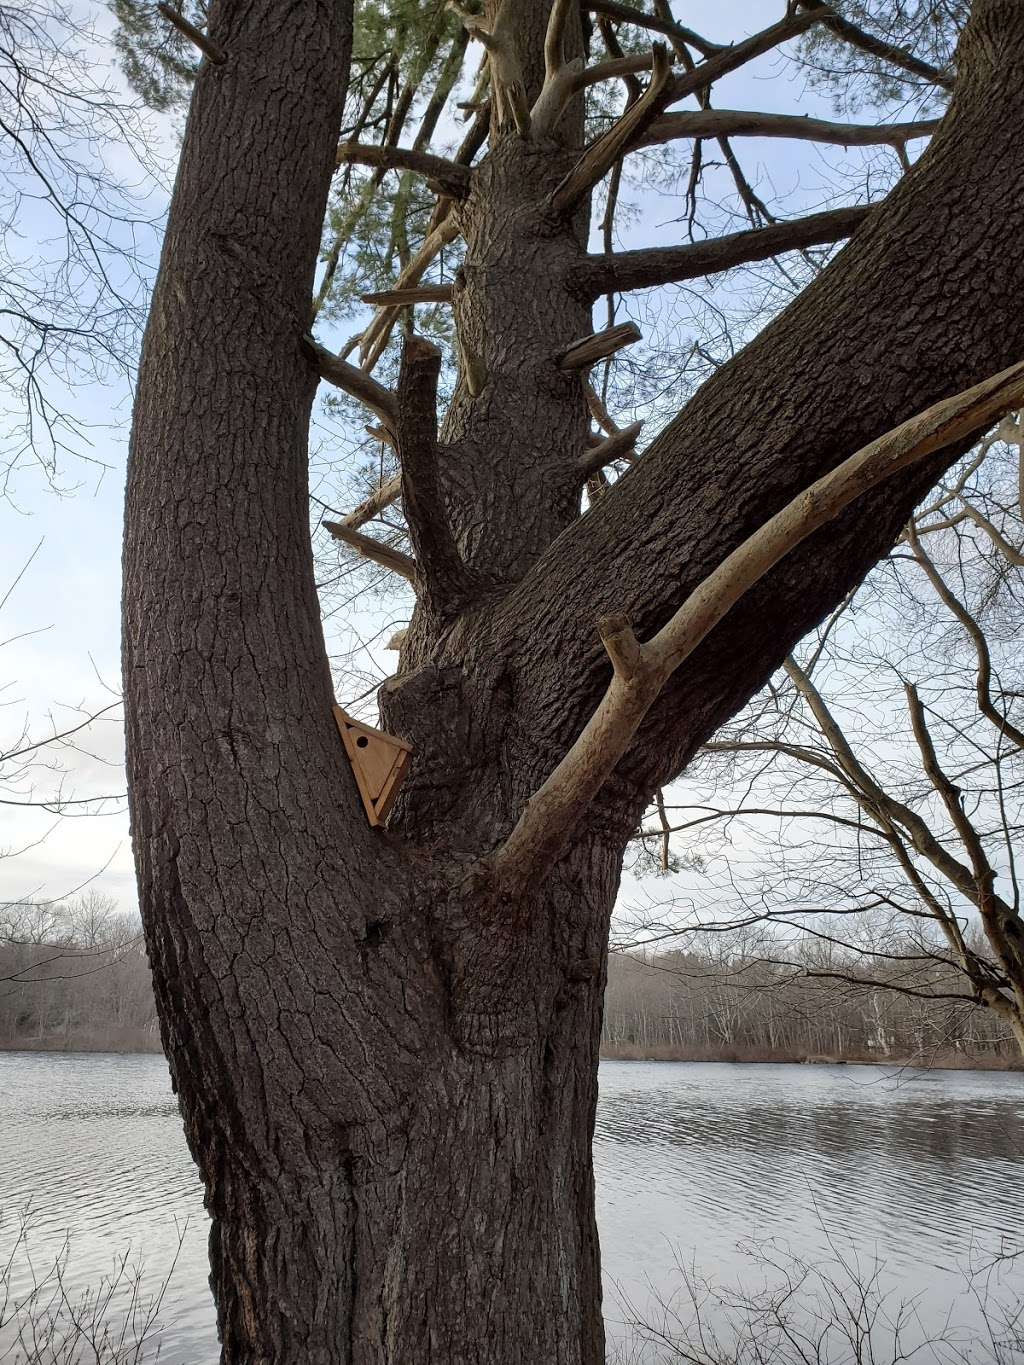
387, 1068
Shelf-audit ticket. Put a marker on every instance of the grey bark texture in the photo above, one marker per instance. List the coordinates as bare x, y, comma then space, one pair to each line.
387, 1068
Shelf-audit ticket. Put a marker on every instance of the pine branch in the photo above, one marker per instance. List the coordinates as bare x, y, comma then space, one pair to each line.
195, 35
375, 338
414, 293
651, 266
640, 671
626, 14
867, 42
598, 346
727, 59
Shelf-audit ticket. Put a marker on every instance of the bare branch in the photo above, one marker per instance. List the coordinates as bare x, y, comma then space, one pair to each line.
1009, 552
415, 293
195, 35
983, 680
639, 676
598, 159
402, 564
599, 346
651, 266
388, 492
728, 59
357, 383
742, 123
614, 448
375, 338
451, 178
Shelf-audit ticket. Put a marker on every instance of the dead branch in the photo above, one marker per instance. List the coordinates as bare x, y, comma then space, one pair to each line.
599, 346
451, 179
357, 383
443, 578
415, 293
598, 159
614, 447
195, 35
651, 266
402, 564
640, 671
383, 496
507, 84
867, 42
743, 123
375, 338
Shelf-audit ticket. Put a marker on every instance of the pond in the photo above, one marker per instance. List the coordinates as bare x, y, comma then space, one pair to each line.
730, 1171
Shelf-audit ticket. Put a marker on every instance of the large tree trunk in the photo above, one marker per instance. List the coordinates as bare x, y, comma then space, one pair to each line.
387, 1070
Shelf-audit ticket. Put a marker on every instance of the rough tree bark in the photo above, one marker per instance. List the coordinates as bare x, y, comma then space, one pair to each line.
386, 1059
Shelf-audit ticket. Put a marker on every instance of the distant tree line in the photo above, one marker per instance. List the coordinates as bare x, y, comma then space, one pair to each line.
741, 998
74, 976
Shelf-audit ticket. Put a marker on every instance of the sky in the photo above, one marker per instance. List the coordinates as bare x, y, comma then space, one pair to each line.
59, 627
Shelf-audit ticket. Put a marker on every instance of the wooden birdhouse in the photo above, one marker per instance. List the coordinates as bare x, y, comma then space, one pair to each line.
379, 762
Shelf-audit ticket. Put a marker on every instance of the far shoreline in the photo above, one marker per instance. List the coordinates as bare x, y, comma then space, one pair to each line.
937, 1061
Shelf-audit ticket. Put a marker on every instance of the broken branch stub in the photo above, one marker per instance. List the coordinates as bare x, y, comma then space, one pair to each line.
580, 355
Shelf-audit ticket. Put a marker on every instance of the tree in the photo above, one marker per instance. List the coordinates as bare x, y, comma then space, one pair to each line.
883, 771
385, 1043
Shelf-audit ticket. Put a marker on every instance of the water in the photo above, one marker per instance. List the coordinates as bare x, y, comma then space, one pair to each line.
922, 1170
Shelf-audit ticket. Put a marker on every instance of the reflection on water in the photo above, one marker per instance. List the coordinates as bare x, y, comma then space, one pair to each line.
922, 1169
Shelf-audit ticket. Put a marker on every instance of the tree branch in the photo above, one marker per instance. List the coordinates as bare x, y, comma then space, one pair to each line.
651, 266
626, 14
605, 452
414, 293
395, 560
598, 346
195, 35
443, 577
507, 81
867, 42
357, 383
741, 123
983, 679
641, 671
727, 59
450, 178
598, 159
375, 338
